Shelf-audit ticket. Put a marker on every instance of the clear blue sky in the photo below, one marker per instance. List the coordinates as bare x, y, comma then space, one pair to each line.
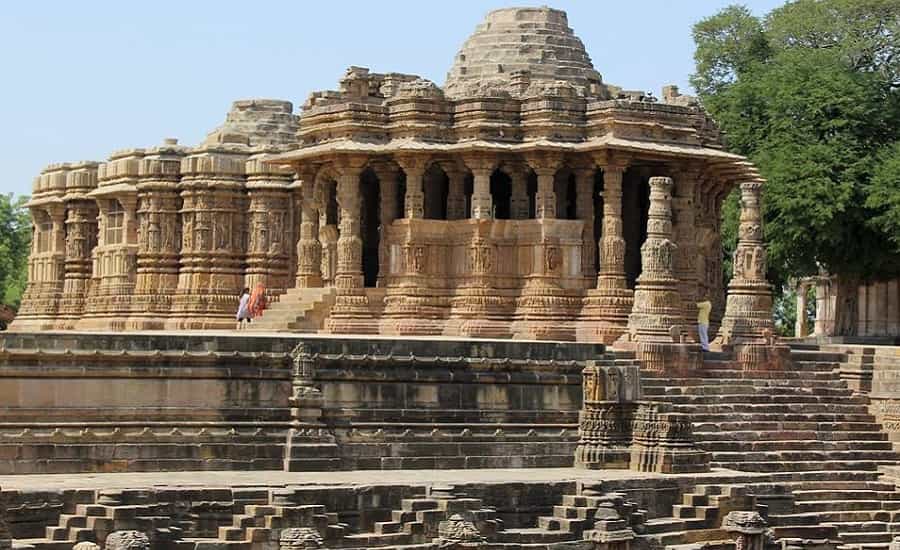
82, 79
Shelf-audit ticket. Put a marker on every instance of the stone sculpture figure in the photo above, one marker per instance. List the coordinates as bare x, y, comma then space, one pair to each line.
127, 540
299, 538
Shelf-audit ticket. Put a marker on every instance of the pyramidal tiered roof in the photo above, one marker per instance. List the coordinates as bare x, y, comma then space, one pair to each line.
514, 48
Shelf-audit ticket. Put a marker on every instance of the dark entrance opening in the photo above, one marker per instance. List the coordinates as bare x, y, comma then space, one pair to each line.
501, 195
635, 208
598, 215
370, 229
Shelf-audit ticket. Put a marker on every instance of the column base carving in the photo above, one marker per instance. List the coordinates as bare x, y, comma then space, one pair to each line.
353, 311
480, 312
544, 311
619, 430
665, 357
411, 310
664, 442
604, 315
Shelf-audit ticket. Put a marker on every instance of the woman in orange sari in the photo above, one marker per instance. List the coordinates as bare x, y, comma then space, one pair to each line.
257, 300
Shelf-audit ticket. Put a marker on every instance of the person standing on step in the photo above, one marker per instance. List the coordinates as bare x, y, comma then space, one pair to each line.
243, 312
257, 300
704, 306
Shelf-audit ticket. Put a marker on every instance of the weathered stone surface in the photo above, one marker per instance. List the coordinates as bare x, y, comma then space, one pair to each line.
127, 540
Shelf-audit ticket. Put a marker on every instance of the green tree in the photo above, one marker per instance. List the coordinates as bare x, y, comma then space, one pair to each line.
810, 94
15, 242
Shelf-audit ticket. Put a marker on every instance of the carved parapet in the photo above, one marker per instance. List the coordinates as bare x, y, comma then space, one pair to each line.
664, 442
611, 393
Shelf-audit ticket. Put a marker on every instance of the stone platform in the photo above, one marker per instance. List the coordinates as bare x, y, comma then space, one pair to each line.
154, 401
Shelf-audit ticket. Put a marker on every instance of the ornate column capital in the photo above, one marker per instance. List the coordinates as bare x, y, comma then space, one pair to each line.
610, 161
480, 164
544, 162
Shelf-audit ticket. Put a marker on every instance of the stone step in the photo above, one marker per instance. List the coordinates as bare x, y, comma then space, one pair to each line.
786, 435
806, 466
738, 391
72, 520
812, 518
863, 537
663, 525
532, 535
694, 382
44, 544
845, 505
217, 544
90, 510
569, 525
793, 445
749, 419
372, 540
417, 504
861, 527
704, 409
388, 527
764, 398
805, 456
812, 495
574, 512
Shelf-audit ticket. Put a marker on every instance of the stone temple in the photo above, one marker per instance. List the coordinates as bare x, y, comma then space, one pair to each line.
481, 332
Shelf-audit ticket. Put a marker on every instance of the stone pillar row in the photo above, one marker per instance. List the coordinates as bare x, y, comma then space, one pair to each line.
166, 237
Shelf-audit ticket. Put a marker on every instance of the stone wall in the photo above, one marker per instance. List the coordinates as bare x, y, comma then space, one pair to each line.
145, 402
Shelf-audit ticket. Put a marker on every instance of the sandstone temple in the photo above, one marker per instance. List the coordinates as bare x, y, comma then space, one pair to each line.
481, 332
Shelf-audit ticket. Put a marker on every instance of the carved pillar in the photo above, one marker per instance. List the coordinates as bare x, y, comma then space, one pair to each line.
159, 236
309, 249
545, 166
351, 312
269, 218
801, 326
518, 173
213, 249
612, 242
115, 258
584, 210
685, 227
456, 192
605, 313
388, 181
482, 203
81, 238
414, 168
655, 320
748, 323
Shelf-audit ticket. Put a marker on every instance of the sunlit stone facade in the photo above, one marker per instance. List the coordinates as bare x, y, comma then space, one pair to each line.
524, 199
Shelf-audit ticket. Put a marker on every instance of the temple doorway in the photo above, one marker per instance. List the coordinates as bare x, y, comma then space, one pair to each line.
437, 186
370, 225
598, 216
635, 208
501, 195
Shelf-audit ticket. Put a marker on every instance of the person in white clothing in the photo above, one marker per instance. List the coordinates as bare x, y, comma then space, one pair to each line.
243, 312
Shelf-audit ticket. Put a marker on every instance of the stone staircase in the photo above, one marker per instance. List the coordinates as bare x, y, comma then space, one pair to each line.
805, 428
297, 310
114, 510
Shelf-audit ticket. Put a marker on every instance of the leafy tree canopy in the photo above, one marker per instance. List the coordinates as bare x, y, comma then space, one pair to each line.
15, 242
810, 94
